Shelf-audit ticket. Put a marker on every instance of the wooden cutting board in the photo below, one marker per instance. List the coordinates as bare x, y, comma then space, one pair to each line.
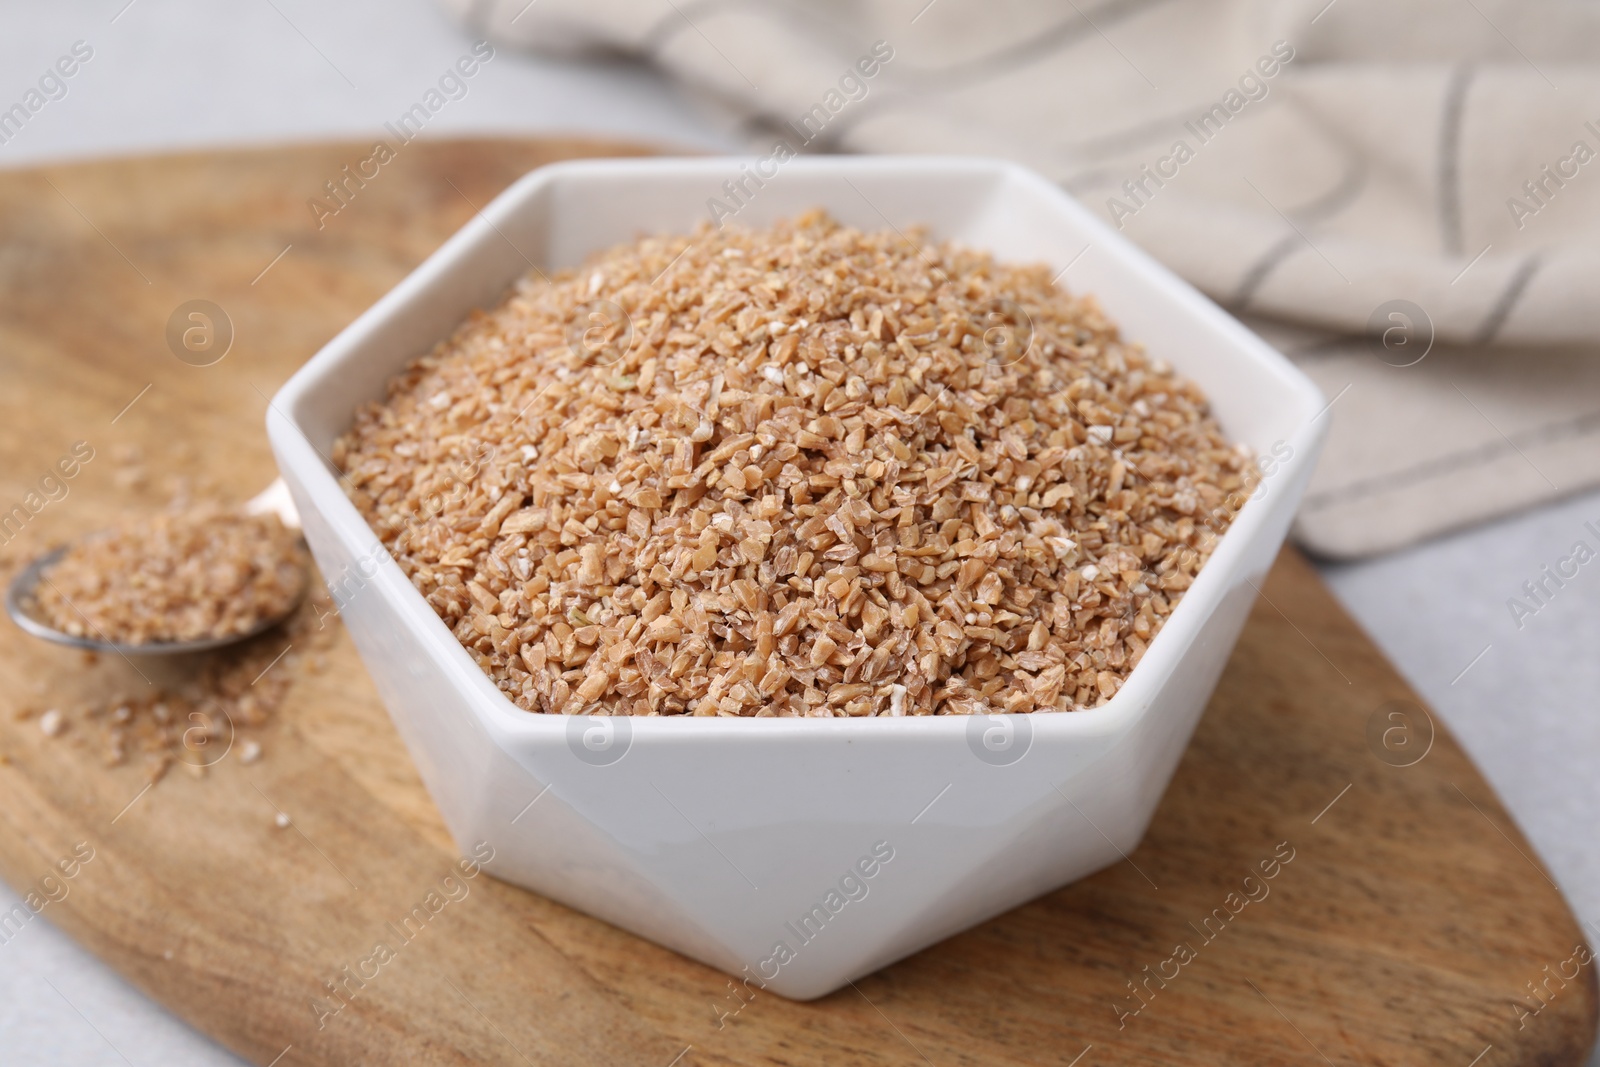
1406, 929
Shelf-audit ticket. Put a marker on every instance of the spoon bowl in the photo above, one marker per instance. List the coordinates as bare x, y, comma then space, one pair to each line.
22, 603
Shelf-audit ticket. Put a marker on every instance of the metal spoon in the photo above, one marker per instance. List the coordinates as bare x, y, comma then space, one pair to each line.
22, 607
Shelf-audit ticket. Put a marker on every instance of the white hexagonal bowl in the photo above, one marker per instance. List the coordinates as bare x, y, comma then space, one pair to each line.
794, 853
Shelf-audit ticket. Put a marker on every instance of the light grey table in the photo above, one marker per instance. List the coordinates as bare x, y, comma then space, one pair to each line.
186, 73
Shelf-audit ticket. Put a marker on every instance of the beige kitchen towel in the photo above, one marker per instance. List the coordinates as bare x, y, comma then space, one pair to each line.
1405, 197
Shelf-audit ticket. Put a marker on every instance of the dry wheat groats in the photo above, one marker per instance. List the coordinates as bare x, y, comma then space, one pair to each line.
184, 574
803, 470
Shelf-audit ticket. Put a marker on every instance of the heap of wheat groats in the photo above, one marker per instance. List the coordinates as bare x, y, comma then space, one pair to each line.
183, 574
802, 470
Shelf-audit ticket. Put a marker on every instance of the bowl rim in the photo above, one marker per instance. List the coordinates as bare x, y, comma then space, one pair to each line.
507, 723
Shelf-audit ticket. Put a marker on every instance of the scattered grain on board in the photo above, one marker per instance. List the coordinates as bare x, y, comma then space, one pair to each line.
803, 470
196, 710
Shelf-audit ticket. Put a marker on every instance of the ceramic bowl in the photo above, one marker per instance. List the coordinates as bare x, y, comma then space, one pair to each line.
794, 853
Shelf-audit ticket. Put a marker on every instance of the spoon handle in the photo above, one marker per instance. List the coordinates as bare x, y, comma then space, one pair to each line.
275, 498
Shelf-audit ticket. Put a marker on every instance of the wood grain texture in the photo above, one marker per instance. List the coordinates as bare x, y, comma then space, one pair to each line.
1405, 929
